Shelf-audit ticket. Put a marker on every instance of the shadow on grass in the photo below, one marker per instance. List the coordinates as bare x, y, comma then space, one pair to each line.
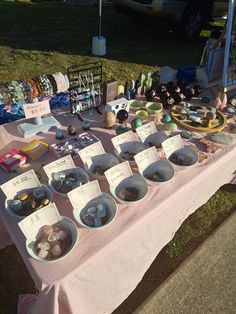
69, 29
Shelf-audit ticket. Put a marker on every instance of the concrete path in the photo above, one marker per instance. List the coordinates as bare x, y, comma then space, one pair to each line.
205, 283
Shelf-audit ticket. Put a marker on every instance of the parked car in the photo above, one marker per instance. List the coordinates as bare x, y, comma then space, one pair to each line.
190, 15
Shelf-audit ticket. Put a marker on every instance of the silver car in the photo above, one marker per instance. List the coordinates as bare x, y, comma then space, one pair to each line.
189, 15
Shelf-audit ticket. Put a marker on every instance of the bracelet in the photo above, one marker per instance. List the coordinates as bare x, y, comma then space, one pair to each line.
34, 88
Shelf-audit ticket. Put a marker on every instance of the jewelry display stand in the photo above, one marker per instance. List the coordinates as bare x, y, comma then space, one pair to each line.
38, 125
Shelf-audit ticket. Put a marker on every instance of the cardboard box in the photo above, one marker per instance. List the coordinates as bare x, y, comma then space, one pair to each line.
12, 160
35, 149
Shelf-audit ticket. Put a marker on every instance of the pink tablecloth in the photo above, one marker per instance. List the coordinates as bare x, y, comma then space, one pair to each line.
106, 265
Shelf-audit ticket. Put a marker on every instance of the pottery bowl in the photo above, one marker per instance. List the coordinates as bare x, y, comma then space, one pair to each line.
158, 172
154, 107
183, 158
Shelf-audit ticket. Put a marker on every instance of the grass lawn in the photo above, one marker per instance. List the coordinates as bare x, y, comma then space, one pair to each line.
46, 38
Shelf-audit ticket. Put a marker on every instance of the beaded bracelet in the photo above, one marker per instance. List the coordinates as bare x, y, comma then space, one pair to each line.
61, 82
28, 91
34, 88
53, 83
15, 91
45, 85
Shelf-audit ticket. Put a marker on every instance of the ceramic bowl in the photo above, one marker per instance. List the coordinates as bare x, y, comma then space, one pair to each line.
69, 225
134, 149
164, 169
136, 181
154, 107
78, 170
111, 210
136, 105
188, 157
155, 139
14, 214
142, 114
105, 161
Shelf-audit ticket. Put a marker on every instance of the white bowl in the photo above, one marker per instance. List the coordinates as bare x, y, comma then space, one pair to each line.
111, 208
135, 148
68, 224
13, 213
104, 160
164, 168
189, 156
156, 139
136, 181
77, 170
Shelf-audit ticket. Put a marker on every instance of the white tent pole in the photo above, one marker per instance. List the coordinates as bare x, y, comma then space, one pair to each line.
100, 18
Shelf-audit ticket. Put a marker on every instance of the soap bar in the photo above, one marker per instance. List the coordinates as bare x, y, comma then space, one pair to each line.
35, 149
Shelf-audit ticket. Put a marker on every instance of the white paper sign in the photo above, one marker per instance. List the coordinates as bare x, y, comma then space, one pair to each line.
146, 130
37, 109
89, 153
118, 173
146, 158
58, 165
123, 141
80, 196
47, 215
24, 181
172, 144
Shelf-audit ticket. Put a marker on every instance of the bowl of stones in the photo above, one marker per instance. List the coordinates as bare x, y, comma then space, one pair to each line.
156, 139
54, 242
67, 180
131, 190
160, 171
28, 201
129, 151
100, 164
183, 158
98, 213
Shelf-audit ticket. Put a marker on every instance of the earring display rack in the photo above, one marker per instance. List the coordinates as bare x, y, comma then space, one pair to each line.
85, 87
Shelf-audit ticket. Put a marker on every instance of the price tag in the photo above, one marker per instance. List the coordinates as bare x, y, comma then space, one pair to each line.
146, 130
80, 196
64, 163
24, 181
146, 158
123, 141
47, 215
172, 144
89, 153
37, 109
118, 173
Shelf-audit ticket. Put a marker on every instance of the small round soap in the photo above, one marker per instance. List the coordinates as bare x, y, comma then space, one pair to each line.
122, 115
85, 125
166, 117
121, 129
171, 127
59, 135
136, 123
71, 129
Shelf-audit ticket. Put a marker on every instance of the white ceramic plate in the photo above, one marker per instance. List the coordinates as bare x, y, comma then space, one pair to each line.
79, 171
14, 214
111, 208
68, 224
136, 181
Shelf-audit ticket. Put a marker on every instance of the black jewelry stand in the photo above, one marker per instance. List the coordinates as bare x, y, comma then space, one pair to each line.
85, 79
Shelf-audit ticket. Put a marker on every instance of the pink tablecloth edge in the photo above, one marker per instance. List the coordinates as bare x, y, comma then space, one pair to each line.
25, 303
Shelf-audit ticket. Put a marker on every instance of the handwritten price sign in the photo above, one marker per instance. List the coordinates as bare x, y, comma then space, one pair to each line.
80, 196
172, 144
27, 180
37, 109
123, 141
146, 130
118, 173
91, 151
146, 158
47, 215
64, 163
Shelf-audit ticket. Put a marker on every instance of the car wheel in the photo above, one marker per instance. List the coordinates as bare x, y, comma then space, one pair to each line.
192, 22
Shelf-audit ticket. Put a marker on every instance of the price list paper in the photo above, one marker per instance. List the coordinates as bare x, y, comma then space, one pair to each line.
118, 173
91, 152
37, 109
47, 215
62, 164
24, 181
123, 141
146, 158
80, 196
146, 130
172, 144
